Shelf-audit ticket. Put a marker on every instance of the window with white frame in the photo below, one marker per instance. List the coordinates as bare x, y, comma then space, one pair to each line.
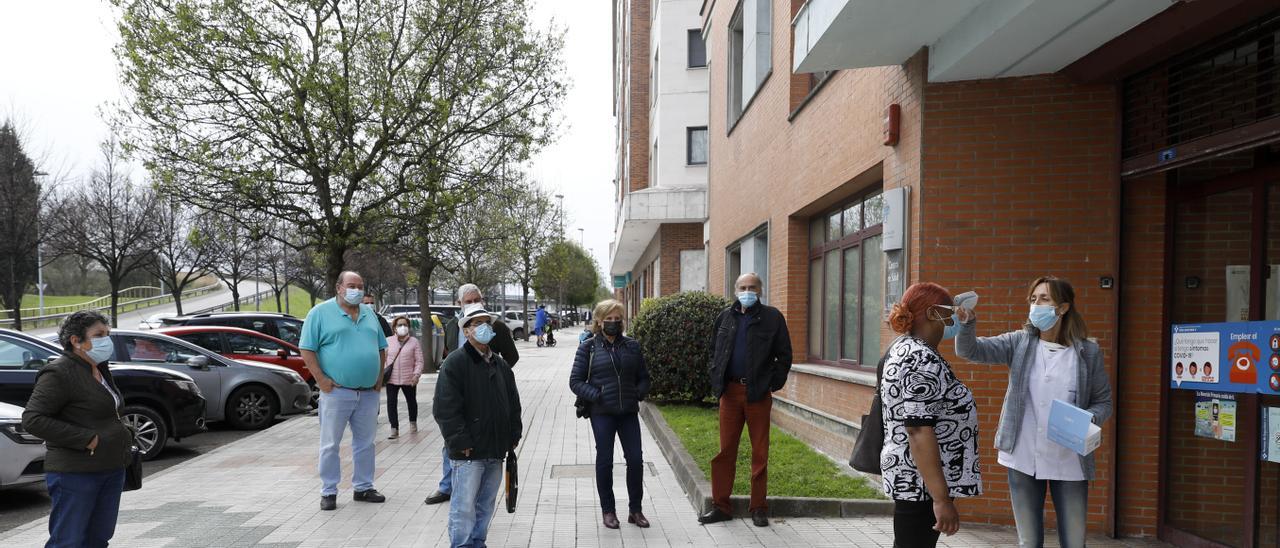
750, 53
748, 254
697, 49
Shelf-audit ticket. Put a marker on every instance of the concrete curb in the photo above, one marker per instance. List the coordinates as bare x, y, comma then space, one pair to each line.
698, 489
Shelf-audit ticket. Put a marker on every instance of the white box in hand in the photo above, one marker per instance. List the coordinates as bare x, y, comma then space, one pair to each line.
1073, 428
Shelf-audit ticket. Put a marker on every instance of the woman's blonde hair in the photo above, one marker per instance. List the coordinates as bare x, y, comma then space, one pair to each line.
1073, 329
602, 309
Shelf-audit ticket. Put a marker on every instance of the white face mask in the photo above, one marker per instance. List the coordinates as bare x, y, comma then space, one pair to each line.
402, 330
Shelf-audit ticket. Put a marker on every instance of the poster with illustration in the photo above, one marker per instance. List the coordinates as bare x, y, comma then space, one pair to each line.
1216, 415
1271, 434
1240, 357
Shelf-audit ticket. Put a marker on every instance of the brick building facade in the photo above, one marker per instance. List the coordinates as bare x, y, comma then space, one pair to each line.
1132, 151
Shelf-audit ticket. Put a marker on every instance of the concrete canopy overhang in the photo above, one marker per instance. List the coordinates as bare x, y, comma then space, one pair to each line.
645, 211
967, 39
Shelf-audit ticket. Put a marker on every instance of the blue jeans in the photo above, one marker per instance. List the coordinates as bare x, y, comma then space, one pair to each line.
476, 484
446, 481
627, 429
1070, 502
85, 507
338, 408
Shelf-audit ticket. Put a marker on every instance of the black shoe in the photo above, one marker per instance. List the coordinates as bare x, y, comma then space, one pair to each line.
714, 515
371, 495
328, 502
437, 498
760, 518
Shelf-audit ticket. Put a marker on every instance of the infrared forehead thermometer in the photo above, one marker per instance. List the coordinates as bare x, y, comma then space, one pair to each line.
967, 300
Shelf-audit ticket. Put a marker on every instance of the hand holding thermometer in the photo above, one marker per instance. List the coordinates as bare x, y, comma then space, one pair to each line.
965, 303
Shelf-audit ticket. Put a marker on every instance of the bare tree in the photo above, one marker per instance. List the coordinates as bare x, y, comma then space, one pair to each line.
183, 253
233, 248
531, 233
110, 221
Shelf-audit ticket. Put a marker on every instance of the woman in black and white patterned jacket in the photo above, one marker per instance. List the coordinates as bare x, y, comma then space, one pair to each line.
930, 454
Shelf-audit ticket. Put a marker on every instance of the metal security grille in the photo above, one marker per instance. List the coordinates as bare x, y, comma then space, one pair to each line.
1228, 82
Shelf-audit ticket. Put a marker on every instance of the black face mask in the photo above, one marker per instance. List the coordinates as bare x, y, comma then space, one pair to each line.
613, 328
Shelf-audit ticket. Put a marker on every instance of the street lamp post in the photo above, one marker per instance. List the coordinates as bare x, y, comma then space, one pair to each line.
40, 258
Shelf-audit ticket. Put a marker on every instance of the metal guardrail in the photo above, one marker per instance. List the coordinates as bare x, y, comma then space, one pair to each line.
123, 306
243, 300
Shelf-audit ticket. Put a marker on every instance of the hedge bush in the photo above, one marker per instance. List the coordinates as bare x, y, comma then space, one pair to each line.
675, 336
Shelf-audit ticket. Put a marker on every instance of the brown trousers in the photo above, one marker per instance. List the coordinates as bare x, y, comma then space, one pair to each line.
735, 411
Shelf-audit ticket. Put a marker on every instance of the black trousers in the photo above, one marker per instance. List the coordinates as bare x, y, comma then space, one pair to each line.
626, 429
913, 523
410, 397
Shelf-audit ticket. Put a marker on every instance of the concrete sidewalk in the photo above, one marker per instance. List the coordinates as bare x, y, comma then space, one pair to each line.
264, 491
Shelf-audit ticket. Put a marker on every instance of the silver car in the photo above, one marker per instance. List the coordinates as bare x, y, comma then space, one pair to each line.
21, 453
247, 394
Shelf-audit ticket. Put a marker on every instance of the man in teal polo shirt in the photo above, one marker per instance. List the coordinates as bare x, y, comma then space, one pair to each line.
343, 346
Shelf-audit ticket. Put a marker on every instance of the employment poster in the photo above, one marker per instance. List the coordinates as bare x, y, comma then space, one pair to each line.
1238, 357
1216, 415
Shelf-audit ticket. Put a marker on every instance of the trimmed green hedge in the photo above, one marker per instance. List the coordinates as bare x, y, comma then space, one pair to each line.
675, 337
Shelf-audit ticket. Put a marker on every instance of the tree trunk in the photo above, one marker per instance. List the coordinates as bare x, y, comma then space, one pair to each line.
335, 262
426, 266
235, 294
177, 301
279, 306
524, 306
115, 301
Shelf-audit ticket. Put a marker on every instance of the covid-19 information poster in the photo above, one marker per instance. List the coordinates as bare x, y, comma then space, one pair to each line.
1238, 357
1216, 415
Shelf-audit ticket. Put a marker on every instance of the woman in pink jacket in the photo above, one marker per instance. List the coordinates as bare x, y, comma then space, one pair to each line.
403, 369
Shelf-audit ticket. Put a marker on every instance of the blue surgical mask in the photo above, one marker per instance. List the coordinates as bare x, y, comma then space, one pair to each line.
354, 296
950, 331
1043, 316
102, 350
484, 333
748, 298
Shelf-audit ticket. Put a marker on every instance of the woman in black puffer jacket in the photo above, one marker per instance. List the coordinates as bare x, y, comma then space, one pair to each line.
609, 372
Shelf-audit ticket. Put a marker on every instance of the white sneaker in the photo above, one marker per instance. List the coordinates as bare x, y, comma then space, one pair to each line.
413, 428
394, 434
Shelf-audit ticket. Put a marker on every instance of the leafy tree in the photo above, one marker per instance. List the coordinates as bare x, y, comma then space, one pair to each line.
567, 273
183, 252
21, 210
313, 112
110, 221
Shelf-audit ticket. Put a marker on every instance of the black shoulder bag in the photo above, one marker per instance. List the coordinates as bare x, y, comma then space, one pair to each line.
582, 406
866, 451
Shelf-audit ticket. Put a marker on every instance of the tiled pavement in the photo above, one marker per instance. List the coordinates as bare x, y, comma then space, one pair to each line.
263, 491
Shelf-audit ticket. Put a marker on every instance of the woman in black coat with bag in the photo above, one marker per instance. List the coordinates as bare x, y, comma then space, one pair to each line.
609, 375
75, 407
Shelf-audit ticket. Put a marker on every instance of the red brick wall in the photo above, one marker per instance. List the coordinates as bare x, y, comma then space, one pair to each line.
638, 92
674, 238
1020, 180
1137, 394
780, 172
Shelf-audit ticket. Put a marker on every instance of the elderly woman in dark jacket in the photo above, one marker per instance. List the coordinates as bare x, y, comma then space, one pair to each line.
75, 408
609, 372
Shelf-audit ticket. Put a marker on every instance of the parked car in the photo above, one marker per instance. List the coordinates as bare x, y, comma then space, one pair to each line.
156, 320
159, 404
247, 394
515, 321
281, 326
245, 344
21, 453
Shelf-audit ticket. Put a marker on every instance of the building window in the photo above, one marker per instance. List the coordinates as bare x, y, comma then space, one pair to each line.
697, 49
696, 148
750, 53
846, 282
748, 254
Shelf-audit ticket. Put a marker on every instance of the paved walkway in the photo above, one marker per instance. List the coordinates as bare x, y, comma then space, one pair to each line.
264, 491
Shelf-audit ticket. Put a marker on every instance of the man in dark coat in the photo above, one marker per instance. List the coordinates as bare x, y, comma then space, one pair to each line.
751, 357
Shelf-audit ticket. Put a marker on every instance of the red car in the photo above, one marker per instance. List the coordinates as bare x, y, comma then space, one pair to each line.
246, 344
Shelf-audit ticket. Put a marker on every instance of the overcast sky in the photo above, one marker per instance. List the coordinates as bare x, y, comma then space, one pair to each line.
57, 70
